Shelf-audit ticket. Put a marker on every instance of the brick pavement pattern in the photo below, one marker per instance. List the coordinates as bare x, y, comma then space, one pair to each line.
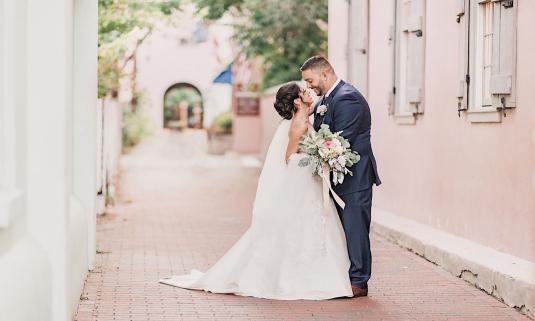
180, 208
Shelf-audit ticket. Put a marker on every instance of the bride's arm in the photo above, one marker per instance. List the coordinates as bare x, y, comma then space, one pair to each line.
299, 125
294, 136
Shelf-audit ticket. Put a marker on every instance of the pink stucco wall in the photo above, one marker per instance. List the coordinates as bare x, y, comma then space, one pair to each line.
473, 180
164, 61
247, 136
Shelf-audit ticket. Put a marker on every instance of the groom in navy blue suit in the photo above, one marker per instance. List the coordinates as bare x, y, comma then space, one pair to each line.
345, 109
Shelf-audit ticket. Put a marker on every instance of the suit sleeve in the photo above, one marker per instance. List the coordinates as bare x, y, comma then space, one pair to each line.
348, 115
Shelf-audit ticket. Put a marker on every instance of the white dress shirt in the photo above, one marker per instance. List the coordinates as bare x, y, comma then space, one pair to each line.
332, 88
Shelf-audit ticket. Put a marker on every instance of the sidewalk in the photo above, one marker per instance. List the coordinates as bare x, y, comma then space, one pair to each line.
181, 209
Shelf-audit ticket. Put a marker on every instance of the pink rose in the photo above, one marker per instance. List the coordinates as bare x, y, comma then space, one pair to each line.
328, 144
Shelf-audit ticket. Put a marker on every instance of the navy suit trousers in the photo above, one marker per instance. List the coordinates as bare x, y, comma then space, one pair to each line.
356, 218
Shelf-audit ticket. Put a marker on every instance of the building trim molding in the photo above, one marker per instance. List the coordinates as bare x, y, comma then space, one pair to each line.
508, 278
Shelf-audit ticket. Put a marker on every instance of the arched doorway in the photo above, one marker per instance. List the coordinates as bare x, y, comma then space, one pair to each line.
183, 107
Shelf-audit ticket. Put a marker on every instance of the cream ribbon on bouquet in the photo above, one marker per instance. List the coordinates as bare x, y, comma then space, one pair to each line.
325, 175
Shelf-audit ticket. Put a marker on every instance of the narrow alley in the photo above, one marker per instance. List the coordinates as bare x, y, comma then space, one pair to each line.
180, 208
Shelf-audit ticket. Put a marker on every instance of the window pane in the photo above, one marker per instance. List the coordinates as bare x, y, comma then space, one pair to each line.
488, 33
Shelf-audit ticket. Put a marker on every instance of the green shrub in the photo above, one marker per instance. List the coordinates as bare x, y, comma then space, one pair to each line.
222, 123
136, 127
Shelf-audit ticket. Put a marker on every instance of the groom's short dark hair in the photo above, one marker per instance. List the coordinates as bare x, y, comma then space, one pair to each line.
316, 62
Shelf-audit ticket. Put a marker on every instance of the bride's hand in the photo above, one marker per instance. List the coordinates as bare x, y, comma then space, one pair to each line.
300, 104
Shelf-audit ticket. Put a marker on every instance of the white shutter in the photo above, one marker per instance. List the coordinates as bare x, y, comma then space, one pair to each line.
409, 60
502, 83
463, 19
358, 45
415, 56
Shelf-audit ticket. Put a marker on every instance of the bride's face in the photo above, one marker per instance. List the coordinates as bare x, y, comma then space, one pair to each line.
305, 100
305, 95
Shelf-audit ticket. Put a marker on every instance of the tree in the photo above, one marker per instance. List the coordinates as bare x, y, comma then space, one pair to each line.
215, 9
123, 25
283, 33
178, 95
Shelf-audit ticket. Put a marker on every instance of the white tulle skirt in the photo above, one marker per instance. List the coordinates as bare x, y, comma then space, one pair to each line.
294, 249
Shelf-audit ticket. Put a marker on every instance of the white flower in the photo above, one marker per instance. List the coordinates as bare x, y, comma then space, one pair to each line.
337, 142
342, 161
322, 109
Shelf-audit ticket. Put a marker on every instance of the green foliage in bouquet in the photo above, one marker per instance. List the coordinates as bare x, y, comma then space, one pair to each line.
330, 151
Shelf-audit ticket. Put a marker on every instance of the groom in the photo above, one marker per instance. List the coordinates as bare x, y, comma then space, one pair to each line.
344, 109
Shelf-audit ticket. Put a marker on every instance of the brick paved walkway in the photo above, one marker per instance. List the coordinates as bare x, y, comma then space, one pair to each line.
182, 209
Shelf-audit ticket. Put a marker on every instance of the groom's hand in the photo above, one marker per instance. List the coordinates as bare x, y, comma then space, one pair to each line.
307, 99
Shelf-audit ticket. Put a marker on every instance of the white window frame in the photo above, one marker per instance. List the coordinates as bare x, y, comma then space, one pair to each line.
500, 89
408, 102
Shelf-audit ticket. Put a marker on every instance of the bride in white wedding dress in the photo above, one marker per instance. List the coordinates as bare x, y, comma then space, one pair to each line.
295, 248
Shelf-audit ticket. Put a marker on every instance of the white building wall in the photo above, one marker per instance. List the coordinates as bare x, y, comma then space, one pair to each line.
338, 29
47, 238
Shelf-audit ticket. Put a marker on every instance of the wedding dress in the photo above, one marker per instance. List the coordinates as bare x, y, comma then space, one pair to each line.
294, 249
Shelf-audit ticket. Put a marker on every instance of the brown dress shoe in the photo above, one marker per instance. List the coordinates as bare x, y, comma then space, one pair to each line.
357, 292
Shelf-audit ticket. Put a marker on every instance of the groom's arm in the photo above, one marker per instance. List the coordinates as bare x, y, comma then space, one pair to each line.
348, 114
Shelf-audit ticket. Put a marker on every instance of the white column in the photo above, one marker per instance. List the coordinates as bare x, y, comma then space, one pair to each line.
47, 145
338, 36
25, 276
85, 113
10, 193
49, 101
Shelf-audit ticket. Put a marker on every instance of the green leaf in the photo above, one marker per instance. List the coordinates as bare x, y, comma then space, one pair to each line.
304, 162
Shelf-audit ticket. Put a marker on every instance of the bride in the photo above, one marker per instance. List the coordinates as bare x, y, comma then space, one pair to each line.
295, 248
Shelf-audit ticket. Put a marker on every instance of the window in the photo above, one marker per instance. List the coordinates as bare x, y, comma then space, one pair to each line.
486, 54
489, 64
410, 60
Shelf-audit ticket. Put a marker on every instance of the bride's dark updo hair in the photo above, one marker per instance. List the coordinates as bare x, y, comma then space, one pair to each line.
284, 102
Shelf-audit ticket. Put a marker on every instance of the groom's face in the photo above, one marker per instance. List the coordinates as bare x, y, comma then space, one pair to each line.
314, 80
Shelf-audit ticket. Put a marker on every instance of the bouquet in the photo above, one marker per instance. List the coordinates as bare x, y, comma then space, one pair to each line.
329, 153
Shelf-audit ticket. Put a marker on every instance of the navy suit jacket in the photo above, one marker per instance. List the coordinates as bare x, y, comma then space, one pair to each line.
348, 111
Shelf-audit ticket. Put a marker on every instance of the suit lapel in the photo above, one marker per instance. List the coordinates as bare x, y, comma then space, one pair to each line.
318, 118
335, 90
